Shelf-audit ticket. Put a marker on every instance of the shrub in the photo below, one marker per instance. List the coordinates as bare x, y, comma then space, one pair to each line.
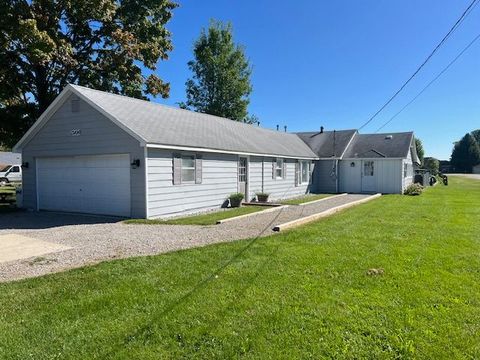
236, 199
413, 189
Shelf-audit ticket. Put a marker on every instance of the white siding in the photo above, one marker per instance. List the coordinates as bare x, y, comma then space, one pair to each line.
388, 176
218, 181
409, 178
255, 176
99, 136
282, 188
350, 178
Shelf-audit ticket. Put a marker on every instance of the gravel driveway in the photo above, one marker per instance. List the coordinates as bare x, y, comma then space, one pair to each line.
94, 239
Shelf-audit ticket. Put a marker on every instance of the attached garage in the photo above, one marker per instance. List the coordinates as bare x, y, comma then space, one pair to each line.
96, 184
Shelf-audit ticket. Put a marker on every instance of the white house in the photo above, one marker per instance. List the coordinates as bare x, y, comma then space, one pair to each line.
100, 153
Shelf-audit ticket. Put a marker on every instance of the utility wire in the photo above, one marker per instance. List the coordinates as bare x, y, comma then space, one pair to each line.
452, 29
430, 83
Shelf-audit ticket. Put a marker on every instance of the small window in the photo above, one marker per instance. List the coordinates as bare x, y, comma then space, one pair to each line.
405, 170
75, 103
279, 169
368, 168
304, 171
188, 169
15, 169
242, 170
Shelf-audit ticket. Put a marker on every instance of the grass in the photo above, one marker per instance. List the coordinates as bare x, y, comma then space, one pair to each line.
210, 218
8, 206
306, 293
304, 199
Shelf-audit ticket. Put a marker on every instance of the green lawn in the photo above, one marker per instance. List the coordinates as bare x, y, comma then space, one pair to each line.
210, 218
305, 198
303, 294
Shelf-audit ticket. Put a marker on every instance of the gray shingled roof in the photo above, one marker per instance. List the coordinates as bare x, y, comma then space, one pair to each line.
328, 144
380, 146
9, 158
164, 125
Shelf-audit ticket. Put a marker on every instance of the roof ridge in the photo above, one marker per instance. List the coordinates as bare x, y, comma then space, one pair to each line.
184, 110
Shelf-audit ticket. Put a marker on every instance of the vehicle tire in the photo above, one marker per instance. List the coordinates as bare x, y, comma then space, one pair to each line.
4, 181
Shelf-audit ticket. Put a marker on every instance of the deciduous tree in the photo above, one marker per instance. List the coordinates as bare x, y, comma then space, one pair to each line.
220, 84
466, 154
104, 44
420, 150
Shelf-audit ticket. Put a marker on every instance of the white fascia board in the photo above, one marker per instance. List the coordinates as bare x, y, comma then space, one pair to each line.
197, 149
109, 116
59, 100
377, 158
348, 145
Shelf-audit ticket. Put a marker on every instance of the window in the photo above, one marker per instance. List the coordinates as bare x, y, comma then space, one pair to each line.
304, 172
279, 169
368, 168
75, 104
15, 169
242, 170
188, 168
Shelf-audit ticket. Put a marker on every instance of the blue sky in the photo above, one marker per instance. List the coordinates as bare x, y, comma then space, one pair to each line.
335, 63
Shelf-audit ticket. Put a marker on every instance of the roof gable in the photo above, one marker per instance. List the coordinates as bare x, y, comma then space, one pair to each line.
328, 144
152, 123
395, 145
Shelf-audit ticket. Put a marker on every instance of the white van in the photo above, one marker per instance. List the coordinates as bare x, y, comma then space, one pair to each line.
10, 174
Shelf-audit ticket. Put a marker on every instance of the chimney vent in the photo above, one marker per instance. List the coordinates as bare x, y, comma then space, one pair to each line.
321, 129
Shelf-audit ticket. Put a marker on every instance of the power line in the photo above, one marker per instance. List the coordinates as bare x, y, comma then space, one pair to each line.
430, 83
450, 32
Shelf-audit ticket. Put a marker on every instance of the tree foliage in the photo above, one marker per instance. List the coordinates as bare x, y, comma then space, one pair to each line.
431, 164
420, 150
476, 135
466, 154
220, 84
44, 45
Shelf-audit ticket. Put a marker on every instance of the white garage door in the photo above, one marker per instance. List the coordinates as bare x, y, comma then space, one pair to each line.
86, 184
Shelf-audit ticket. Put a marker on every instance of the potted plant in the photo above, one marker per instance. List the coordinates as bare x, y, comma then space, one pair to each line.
236, 199
262, 197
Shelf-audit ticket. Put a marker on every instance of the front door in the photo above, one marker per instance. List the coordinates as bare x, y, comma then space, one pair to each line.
368, 176
243, 176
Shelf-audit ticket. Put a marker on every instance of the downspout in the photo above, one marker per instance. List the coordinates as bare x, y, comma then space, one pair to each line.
263, 173
336, 176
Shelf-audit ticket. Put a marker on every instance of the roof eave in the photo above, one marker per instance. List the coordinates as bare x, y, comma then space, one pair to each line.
220, 151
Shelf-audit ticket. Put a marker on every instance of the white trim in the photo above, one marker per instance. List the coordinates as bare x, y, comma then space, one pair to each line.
199, 149
323, 214
348, 145
145, 152
377, 158
322, 199
36, 184
275, 208
43, 118
59, 100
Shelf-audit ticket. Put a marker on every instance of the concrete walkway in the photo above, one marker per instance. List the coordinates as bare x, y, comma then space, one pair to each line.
95, 239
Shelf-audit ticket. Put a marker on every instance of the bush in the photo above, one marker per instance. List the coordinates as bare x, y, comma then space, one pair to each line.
236, 199
413, 189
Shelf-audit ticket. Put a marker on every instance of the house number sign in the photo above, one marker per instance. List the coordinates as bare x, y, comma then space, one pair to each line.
75, 132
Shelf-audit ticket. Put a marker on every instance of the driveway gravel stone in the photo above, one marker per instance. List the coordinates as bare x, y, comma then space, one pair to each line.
92, 239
